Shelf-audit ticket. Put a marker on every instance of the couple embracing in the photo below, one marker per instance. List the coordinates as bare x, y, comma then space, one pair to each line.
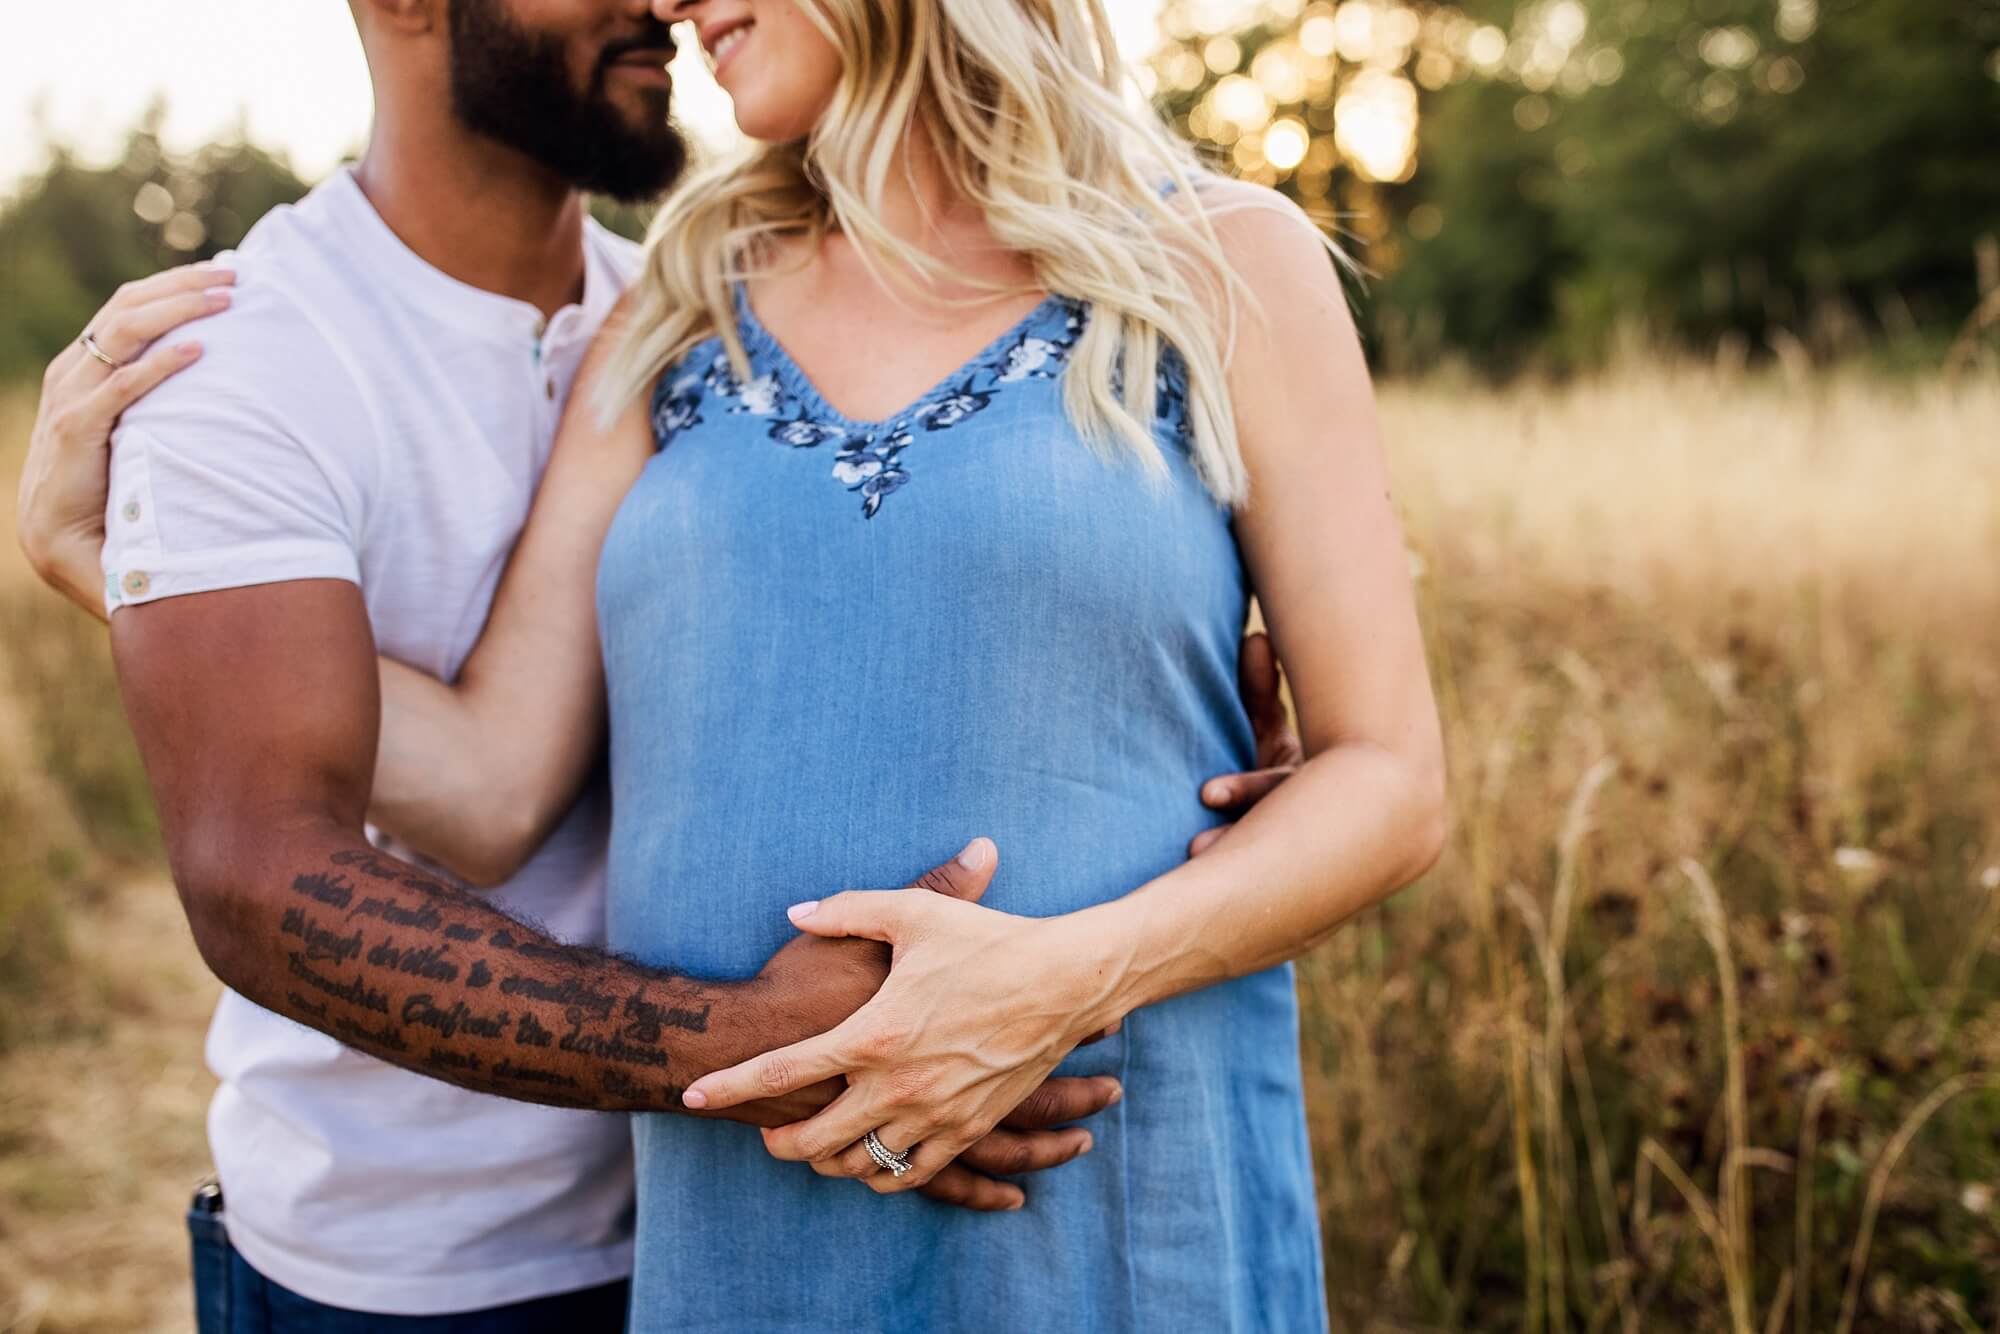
533, 642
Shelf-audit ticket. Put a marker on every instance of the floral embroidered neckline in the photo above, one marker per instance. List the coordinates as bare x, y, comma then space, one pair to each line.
868, 457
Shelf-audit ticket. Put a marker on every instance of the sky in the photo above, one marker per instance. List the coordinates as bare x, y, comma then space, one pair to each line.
290, 69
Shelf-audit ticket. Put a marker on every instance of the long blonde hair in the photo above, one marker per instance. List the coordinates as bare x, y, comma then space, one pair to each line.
1024, 103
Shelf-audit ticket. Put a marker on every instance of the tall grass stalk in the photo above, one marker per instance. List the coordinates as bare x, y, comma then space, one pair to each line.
1878, 1181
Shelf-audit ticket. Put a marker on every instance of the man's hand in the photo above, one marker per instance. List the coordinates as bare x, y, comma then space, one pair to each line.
60, 509
1279, 753
834, 978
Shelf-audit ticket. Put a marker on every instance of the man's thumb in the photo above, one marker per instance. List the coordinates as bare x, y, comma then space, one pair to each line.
965, 876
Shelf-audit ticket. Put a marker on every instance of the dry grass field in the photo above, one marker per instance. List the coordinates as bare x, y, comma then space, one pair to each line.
1696, 1026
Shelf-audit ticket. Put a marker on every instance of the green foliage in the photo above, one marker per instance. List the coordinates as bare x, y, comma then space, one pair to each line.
1811, 173
73, 235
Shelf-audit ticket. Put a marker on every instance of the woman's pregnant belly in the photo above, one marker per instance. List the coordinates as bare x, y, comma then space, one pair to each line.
701, 875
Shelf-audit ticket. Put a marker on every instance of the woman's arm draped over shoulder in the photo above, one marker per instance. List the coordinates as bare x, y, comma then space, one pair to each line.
474, 775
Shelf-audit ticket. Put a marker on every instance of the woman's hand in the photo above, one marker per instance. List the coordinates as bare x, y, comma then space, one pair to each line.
60, 511
979, 1007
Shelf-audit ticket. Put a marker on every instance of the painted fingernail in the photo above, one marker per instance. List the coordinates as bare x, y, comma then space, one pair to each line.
978, 853
694, 1098
798, 912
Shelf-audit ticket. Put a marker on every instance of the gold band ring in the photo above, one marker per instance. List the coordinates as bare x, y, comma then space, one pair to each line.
90, 346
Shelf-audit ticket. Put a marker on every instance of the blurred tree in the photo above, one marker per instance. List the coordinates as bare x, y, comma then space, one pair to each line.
1531, 178
76, 232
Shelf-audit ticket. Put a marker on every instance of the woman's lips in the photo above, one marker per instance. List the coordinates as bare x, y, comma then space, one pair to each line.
727, 46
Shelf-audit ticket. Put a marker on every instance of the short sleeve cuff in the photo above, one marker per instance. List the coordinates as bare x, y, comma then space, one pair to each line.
133, 576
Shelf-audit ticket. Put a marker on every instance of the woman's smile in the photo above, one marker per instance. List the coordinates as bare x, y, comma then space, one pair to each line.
724, 39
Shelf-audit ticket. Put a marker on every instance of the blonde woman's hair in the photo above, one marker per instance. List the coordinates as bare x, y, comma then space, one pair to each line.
1024, 103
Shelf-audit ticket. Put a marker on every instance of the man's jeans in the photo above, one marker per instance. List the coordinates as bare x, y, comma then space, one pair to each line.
232, 1298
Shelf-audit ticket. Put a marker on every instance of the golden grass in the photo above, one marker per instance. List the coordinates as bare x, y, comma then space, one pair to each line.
1720, 665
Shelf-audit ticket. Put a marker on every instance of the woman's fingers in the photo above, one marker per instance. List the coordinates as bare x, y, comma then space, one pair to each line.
929, 1151
113, 326
955, 1184
855, 1163
830, 1133
775, 1073
878, 914
131, 383
1060, 1101
1006, 1153
126, 334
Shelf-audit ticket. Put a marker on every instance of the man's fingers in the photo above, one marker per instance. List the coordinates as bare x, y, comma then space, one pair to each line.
1110, 1030
1257, 677
965, 876
1059, 1101
128, 385
1232, 791
1006, 1153
785, 1070
1262, 683
126, 334
960, 1186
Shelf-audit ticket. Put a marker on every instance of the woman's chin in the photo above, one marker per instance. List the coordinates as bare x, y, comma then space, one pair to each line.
772, 126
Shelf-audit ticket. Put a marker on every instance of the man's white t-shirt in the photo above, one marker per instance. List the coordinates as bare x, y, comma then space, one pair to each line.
360, 415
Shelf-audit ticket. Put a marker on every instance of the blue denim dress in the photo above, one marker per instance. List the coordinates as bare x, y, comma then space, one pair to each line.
838, 649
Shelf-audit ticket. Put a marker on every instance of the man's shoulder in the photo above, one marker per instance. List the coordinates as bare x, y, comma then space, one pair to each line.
276, 352
266, 356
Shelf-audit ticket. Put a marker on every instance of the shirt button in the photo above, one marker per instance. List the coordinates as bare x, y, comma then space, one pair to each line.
136, 583
131, 511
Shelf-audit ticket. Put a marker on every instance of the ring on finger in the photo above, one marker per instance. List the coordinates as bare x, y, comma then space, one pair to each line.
896, 1164
90, 345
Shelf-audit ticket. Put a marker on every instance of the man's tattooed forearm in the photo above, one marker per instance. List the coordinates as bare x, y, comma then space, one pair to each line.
458, 1017
648, 1018
427, 962
621, 1085
528, 1074
357, 992
608, 1047
570, 993
424, 917
311, 1008
605, 1017
322, 945
383, 1035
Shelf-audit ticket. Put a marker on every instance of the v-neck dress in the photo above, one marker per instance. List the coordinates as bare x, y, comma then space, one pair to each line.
838, 649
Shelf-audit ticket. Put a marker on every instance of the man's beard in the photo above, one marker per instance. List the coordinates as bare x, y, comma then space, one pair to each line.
513, 85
